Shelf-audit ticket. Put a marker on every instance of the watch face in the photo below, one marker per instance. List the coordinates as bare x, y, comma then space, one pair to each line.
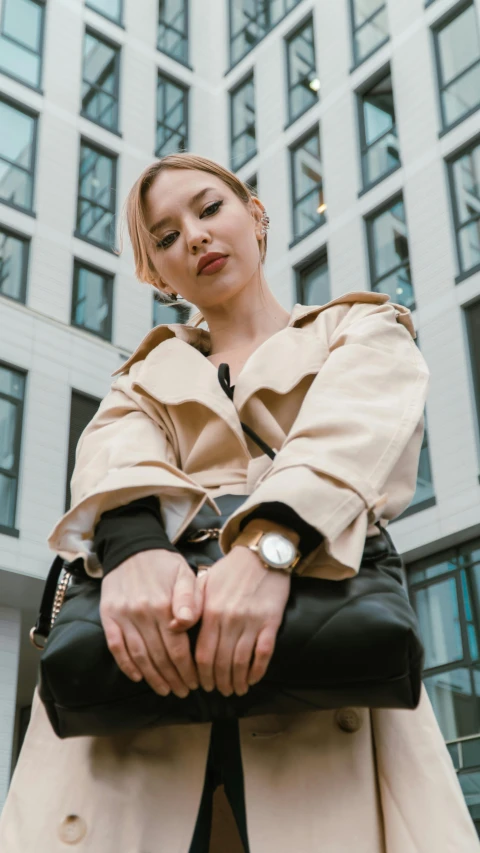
277, 550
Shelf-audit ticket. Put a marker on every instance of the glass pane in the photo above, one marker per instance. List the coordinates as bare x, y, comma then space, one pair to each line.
12, 266
15, 185
99, 96
17, 135
307, 166
381, 157
92, 302
307, 214
302, 74
22, 21
459, 44
314, 284
462, 95
96, 223
466, 178
11, 383
378, 110
109, 8
243, 124
470, 784
390, 239
172, 28
371, 35
438, 615
171, 118
398, 285
8, 491
470, 622
8, 428
166, 313
96, 202
424, 489
455, 708
365, 9
453, 749
20, 62
432, 568
471, 753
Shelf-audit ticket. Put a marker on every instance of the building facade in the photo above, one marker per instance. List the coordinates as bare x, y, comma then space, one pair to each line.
358, 123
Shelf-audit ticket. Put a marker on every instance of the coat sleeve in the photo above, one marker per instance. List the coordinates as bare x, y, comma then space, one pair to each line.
123, 454
363, 409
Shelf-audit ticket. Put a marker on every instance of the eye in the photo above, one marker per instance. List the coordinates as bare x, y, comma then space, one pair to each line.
210, 210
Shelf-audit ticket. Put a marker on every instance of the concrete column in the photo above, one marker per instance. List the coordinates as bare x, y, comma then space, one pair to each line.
10, 620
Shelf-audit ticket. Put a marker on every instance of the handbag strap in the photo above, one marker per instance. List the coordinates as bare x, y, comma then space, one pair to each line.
41, 629
224, 379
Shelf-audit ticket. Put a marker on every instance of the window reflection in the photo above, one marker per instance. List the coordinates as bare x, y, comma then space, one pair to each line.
309, 207
458, 51
21, 40
389, 254
380, 152
370, 26
172, 100
313, 286
17, 142
303, 82
243, 134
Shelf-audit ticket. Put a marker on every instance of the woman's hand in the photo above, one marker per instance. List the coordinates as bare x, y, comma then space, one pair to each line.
243, 608
139, 601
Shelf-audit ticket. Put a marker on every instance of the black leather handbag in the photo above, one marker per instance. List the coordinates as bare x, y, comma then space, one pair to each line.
352, 642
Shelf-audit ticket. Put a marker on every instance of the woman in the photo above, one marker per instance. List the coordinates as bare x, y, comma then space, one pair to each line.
338, 391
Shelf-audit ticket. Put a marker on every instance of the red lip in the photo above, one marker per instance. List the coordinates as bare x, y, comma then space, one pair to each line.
207, 259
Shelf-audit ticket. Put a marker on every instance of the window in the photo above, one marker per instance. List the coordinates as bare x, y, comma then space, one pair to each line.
82, 410
303, 82
458, 63
307, 185
313, 284
17, 155
465, 186
21, 40
173, 29
242, 123
92, 300
101, 81
251, 20
13, 265
108, 8
172, 113
96, 196
388, 250
253, 184
12, 390
472, 314
166, 312
370, 27
378, 132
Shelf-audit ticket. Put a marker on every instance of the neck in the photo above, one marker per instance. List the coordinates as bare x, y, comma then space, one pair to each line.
246, 320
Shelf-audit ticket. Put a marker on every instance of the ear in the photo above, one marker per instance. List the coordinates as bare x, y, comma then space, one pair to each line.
257, 212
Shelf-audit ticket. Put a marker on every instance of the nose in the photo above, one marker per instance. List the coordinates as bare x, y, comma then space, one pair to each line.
196, 234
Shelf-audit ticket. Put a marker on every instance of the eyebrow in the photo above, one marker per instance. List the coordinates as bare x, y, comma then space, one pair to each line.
167, 219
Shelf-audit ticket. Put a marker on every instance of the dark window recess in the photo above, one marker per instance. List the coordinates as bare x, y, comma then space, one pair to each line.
313, 283
21, 40
303, 81
242, 123
96, 196
457, 44
378, 131
166, 312
465, 185
108, 8
101, 80
13, 265
309, 207
369, 26
473, 328
172, 117
253, 184
82, 410
388, 252
17, 155
92, 300
173, 29
12, 391
251, 20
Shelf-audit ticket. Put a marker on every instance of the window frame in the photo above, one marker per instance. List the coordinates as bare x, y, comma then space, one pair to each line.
474, 365
231, 36
295, 201
118, 21
354, 29
117, 48
70, 455
26, 241
186, 106
247, 78
315, 258
114, 157
36, 88
22, 108
450, 161
185, 62
15, 473
287, 40
79, 264
368, 219
360, 93
436, 29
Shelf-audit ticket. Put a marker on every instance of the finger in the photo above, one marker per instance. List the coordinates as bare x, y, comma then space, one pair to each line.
205, 653
116, 644
263, 653
177, 647
184, 608
177, 624
139, 654
242, 661
223, 663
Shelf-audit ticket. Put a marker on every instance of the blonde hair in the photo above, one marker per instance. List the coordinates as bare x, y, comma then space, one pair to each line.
139, 234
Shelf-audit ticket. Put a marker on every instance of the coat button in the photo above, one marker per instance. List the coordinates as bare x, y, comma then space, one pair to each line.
72, 829
348, 719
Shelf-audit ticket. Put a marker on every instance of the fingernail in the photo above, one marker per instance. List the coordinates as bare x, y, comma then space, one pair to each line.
182, 693
185, 613
164, 691
193, 685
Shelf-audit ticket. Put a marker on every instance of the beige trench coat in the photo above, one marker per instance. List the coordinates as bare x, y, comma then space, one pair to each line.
340, 393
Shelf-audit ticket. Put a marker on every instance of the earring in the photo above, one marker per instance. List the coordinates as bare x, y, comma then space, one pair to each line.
265, 220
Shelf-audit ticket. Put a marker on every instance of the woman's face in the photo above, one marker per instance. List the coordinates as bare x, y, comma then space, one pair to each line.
192, 213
